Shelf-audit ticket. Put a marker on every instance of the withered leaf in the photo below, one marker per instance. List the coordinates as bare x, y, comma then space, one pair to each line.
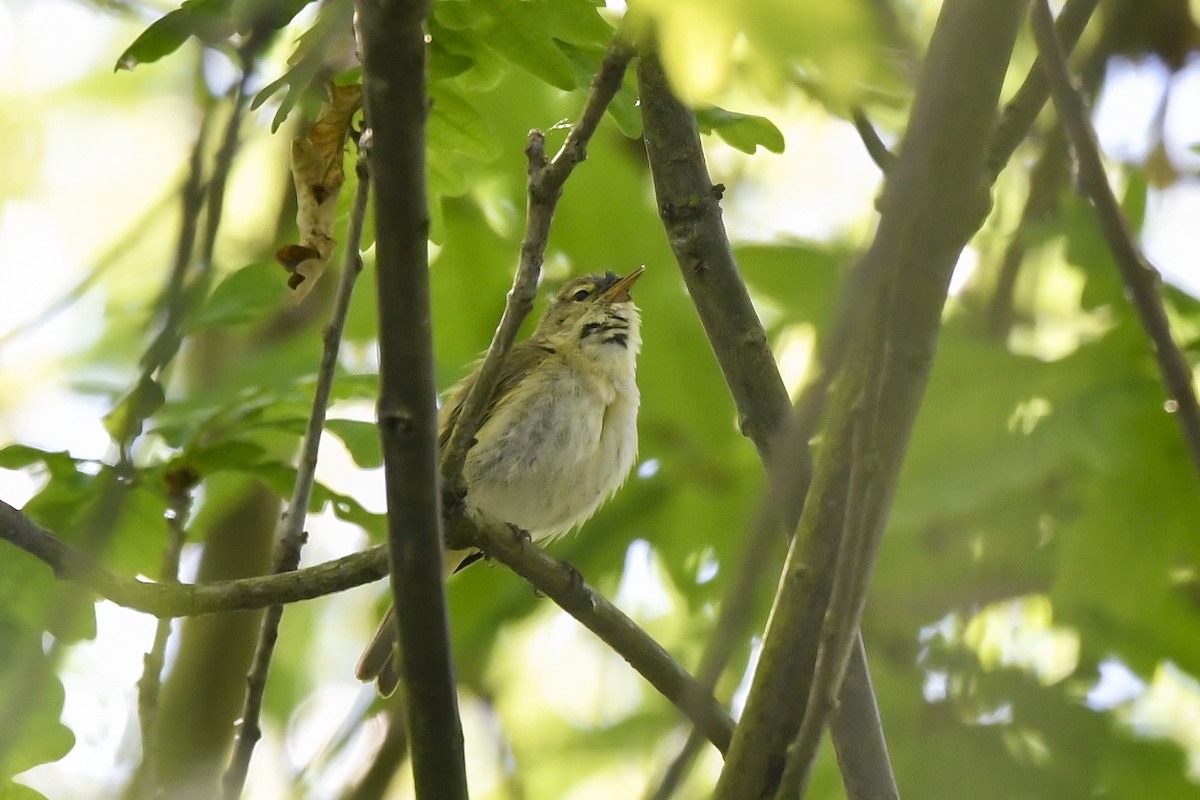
318, 175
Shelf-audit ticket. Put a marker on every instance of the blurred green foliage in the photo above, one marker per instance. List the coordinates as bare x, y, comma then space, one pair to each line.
1055, 477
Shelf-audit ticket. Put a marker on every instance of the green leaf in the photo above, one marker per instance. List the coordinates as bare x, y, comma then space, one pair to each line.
457, 126
519, 33
308, 59
244, 295
237, 454
126, 420
43, 738
575, 21
207, 20
746, 132
21, 456
360, 438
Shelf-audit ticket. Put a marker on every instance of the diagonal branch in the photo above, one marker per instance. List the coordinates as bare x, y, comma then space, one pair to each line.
1019, 115
936, 196
188, 600
876, 149
545, 185
562, 583
691, 215
1141, 278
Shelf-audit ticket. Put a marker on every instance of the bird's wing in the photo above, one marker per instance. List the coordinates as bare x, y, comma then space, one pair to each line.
522, 359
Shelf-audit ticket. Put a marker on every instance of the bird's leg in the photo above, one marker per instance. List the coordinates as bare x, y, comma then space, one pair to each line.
519, 533
574, 575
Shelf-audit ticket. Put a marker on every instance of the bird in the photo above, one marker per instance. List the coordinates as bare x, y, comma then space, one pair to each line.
559, 435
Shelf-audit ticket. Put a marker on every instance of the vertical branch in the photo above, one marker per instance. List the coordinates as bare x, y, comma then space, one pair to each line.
936, 196
392, 45
179, 500
840, 627
291, 535
1141, 278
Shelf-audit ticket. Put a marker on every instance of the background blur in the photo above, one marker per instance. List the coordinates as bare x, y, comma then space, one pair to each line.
1034, 621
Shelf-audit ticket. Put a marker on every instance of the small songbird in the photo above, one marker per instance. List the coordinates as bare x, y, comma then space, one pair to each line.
559, 434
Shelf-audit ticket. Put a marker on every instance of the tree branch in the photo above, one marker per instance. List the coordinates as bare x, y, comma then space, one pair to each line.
562, 583
189, 600
934, 199
544, 187
1049, 176
179, 501
551, 577
839, 629
391, 36
876, 149
740, 344
1141, 278
690, 208
290, 536
1021, 112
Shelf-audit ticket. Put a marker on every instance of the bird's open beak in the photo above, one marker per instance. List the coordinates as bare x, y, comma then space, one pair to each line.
619, 291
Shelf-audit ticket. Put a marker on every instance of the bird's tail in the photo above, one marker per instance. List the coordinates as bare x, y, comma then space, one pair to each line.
378, 661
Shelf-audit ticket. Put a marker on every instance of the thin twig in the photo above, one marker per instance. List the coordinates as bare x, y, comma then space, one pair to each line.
291, 536
549, 576
179, 500
1141, 278
876, 149
1047, 179
545, 185
223, 162
1021, 112
178, 298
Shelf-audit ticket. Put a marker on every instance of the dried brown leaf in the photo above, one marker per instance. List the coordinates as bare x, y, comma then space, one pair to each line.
318, 175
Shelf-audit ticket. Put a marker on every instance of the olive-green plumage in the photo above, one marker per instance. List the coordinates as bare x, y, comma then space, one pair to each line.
559, 434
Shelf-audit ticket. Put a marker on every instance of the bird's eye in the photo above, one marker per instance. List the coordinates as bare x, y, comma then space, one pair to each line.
581, 295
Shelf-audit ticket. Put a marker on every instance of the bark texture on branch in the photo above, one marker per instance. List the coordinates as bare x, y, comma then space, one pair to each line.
935, 197
391, 39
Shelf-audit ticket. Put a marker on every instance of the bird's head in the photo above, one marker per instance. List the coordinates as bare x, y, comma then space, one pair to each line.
595, 314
